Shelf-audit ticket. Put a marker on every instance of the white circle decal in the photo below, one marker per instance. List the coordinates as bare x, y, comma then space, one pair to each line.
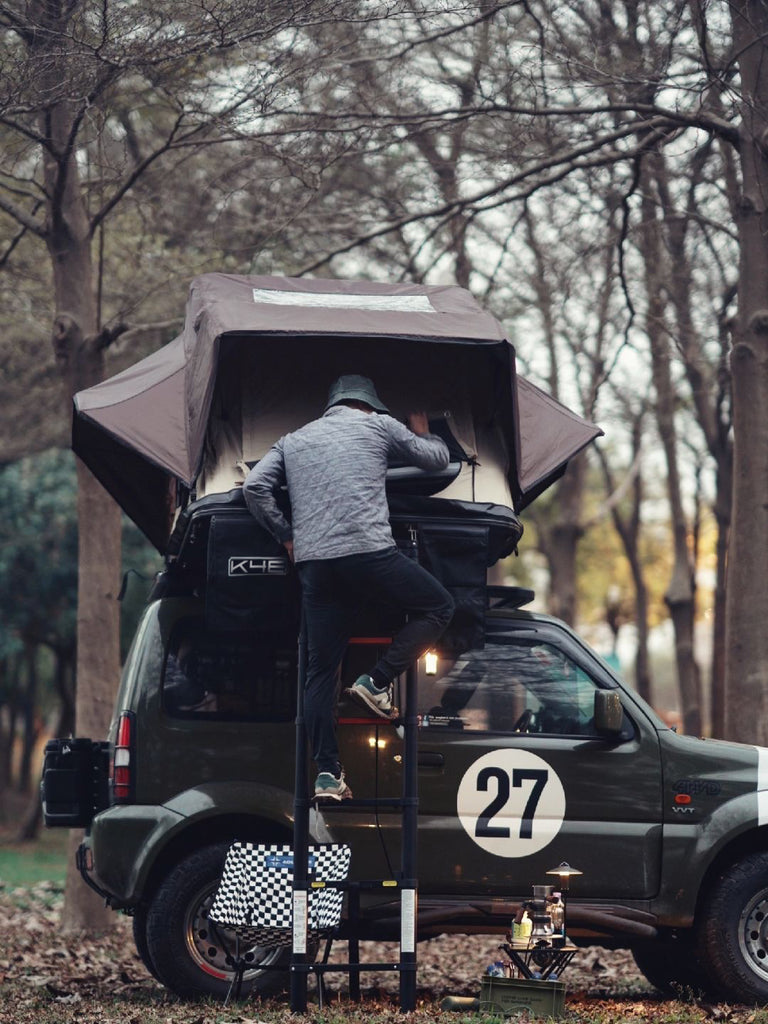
511, 803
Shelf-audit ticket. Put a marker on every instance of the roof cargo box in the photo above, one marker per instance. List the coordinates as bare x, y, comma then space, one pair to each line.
218, 549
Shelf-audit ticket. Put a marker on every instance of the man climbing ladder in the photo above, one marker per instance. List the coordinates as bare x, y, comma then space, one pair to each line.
340, 538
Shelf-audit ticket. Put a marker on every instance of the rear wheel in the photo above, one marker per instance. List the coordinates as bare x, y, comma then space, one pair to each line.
139, 922
191, 955
734, 930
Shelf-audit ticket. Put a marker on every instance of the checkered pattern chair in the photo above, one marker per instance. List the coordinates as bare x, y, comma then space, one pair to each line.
255, 895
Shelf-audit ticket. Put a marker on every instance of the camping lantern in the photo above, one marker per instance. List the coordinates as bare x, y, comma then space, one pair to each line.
564, 872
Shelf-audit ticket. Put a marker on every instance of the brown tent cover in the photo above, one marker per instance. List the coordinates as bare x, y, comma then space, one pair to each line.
282, 341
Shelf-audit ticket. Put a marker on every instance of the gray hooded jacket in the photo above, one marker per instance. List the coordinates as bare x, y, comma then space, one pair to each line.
335, 470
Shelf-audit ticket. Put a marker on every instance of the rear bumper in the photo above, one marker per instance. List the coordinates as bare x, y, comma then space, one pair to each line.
84, 864
122, 845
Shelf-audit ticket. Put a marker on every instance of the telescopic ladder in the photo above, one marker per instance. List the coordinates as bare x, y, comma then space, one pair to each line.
301, 967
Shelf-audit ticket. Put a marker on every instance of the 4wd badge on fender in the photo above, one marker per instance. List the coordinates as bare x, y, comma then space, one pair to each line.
257, 565
511, 803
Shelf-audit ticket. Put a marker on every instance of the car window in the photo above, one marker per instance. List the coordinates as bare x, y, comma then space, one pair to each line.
230, 676
517, 686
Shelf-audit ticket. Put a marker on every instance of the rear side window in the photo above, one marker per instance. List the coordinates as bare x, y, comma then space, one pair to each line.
229, 676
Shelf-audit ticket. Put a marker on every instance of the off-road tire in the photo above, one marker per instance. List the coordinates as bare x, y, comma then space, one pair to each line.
139, 924
673, 966
189, 955
733, 933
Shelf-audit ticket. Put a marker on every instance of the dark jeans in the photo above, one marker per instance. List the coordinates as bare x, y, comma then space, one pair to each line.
331, 588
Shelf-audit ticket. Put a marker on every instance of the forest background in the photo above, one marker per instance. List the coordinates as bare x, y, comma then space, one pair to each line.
595, 173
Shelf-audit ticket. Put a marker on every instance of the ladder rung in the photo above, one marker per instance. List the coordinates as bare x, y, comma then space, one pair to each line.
321, 968
365, 883
340, 805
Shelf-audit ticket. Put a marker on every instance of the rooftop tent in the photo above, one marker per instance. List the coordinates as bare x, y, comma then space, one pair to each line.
256, 358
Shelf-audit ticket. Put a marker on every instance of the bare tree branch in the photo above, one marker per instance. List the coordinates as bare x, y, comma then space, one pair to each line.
27, 220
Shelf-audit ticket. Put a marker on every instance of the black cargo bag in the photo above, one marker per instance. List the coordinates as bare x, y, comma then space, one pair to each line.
456, 555
457, 541
75, 782
251, 583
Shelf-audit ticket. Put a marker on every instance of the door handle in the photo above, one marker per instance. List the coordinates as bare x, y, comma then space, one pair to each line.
430, 759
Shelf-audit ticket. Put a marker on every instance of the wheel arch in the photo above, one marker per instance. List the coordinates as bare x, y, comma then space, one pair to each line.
752, 840
209, 832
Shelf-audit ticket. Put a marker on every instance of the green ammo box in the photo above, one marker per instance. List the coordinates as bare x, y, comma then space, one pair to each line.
513, 995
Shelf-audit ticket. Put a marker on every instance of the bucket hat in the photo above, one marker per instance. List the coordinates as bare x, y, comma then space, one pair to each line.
354, 388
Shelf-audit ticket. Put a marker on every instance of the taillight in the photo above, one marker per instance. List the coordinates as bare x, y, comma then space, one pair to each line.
122, 762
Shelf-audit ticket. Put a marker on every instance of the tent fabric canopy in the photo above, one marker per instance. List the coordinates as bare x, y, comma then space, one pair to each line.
256, 357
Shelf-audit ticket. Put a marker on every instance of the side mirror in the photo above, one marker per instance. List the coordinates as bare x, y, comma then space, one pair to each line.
609, 714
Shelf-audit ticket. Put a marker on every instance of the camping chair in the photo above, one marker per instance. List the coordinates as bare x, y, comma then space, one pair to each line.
255, 899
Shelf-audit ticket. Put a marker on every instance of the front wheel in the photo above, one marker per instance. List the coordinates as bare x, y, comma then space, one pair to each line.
672, 965
734, 930
192, 956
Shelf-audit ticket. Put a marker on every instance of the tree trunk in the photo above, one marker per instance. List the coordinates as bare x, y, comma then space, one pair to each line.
719, 637
12, 716
5, 747
98, 624
31, 821
680, 592
709, 393
560, 541
746, 663
80, 353
30, 731
630, 539
64, 726
627, 526
65, 723
642, 661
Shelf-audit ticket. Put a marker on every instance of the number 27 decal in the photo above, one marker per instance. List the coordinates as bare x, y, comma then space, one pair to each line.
511, 802
539, 778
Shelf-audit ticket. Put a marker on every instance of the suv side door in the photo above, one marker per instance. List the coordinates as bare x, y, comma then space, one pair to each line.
514, 779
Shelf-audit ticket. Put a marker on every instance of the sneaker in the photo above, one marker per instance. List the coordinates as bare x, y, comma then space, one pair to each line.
332, 787
377, 700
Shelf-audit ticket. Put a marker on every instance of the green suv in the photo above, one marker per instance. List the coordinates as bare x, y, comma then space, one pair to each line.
531, 752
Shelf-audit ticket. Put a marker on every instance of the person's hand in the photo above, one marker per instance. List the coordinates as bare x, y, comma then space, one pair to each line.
288, 545
418, 423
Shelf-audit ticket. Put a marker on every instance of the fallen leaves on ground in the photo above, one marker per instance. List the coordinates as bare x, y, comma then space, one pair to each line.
47, 978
